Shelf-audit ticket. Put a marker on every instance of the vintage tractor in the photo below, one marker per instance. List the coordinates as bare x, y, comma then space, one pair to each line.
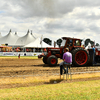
80, 56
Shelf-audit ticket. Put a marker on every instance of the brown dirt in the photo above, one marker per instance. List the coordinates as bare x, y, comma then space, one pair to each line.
11, 67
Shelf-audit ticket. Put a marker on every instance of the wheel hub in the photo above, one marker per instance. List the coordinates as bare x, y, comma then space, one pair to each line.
53, 61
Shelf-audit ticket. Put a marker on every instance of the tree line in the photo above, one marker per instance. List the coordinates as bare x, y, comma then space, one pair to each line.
59, 41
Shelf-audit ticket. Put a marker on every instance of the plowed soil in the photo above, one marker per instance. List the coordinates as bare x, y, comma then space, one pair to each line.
11, 67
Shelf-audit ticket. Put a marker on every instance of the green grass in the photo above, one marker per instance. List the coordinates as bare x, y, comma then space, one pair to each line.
86, 90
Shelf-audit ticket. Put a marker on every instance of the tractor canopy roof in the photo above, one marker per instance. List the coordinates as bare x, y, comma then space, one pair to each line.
71, 38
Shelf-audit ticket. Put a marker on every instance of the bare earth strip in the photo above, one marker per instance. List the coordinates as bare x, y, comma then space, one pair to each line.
29, 72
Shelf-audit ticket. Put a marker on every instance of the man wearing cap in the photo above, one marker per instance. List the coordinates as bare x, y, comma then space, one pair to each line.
67, 57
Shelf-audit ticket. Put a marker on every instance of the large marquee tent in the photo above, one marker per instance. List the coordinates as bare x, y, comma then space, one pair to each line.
9, 39
37, 44
26, 41
22, 41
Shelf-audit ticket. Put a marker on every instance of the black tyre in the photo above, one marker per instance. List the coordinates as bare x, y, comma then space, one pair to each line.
52, 60
45, 59
80, 57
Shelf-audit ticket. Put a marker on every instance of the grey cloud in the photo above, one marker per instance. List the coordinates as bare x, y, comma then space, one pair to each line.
94, 27
85, 15
69, 25
87, 3
32, 8
43, 8
47, 8
53, 26
37, 10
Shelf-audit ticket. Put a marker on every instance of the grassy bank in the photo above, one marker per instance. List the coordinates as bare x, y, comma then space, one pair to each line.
85, 90
38, 79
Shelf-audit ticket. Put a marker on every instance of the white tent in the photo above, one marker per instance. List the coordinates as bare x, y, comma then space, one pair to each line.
88, 46
0, 35
9, 39
25, 39
37, 44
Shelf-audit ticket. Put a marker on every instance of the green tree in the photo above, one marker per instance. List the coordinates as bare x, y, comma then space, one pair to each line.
92, 43
47, 40
87, 41
59, 41
97, 44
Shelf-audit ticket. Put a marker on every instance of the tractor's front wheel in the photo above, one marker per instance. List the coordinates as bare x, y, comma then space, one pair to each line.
45, 59
52, 60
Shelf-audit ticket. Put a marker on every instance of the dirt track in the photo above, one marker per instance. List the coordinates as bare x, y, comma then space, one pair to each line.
11, 67
35, 67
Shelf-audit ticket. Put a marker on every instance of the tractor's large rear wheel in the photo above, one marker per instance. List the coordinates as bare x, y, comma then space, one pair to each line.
45, 59
80, 57
52, 60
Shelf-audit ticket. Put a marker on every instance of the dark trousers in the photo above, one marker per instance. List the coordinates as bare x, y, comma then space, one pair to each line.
61, 69
94, 62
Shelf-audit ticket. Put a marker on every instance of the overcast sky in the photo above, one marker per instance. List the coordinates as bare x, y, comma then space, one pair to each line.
51, 18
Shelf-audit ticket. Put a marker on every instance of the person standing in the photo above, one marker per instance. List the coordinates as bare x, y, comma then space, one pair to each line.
93, 48
67, 59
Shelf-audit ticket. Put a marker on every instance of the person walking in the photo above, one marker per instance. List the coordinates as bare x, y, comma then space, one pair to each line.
67, 59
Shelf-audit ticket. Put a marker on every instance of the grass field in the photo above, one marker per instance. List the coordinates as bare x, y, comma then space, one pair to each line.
85, 90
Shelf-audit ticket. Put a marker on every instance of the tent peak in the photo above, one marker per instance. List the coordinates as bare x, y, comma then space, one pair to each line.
15, 33
10, 31
28, 31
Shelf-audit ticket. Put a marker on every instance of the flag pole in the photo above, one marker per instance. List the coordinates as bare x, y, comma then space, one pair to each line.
41, 41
